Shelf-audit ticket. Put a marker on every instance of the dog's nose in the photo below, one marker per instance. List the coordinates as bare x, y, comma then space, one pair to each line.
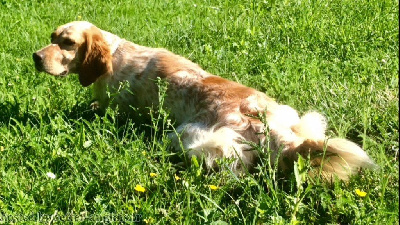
37, 57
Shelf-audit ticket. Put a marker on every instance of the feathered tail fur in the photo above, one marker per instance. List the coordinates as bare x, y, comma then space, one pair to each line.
330, 157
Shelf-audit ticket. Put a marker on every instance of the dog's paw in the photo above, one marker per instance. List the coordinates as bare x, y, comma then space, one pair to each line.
95, 106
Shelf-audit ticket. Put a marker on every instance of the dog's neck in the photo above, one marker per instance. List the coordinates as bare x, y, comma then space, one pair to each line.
112, 40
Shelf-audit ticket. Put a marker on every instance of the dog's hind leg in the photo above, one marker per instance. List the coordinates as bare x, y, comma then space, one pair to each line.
211, 143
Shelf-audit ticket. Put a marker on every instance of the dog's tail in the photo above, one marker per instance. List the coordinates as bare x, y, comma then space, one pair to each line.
334, 157
329, 157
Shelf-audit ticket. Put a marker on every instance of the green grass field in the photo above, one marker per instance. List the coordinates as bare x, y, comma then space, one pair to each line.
337, 57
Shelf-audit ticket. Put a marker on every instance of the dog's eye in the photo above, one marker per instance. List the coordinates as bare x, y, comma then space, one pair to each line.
68, 42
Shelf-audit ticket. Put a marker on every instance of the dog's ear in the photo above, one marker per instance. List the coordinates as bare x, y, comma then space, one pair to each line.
97, 57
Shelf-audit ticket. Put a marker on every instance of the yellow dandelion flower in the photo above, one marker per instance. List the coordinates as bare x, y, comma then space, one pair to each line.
149, 220
140, 188
213, 187
361, 193
143, 152
177, 178
153, 174
1, 148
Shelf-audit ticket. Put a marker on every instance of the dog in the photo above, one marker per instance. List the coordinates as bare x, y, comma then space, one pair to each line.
215, 117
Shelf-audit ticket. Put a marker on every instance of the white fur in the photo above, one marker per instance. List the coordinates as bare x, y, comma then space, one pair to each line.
312, 126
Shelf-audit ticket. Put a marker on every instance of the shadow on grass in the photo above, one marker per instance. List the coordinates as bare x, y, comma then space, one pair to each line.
13, 111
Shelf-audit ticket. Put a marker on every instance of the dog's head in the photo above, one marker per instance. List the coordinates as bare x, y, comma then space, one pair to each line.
76, 47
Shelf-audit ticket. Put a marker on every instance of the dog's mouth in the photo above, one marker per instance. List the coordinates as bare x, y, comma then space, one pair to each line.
63, 74
40, 68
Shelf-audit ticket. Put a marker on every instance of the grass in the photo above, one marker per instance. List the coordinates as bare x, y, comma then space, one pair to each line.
337, 57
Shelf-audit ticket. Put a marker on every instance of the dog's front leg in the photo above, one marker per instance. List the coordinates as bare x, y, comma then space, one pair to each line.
100, 97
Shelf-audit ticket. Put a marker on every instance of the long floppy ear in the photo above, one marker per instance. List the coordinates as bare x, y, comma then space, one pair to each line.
97, 59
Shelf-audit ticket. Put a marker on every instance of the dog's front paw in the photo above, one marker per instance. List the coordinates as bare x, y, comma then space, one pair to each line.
95, 106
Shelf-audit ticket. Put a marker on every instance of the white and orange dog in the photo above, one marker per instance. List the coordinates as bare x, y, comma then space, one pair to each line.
215, 117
